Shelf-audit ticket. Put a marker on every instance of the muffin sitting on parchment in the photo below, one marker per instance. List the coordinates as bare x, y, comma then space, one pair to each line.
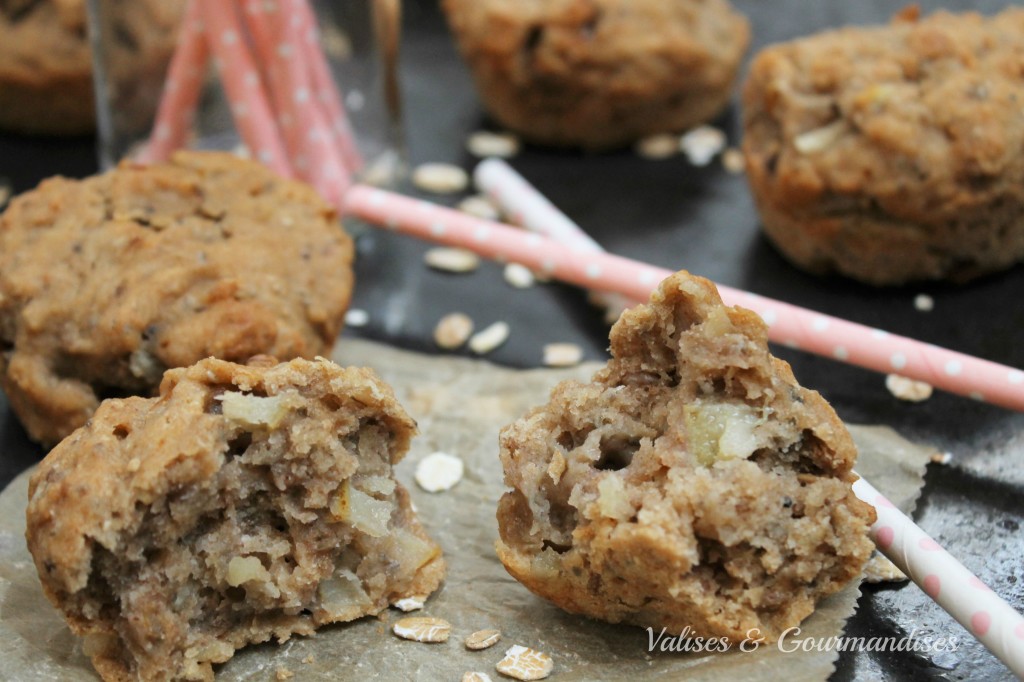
892, 154
599, 74
245, 503
108, 281
692, 485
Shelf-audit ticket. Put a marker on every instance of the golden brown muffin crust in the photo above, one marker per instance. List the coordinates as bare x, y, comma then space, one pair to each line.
144, 524
108, 281
892, 154
692, 485
599, 73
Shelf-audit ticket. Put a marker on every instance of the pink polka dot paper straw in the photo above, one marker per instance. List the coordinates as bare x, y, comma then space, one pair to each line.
787, 324
303, 123
527, 207
182, 87
243, 84
324, 86
980, 610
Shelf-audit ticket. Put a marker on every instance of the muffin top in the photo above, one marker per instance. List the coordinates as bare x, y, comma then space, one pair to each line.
108, 281
921, 116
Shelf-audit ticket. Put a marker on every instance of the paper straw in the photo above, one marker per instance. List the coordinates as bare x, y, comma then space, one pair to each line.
243, 85
182, 86
303, 122
787, 324
527, 207
324, 86
972, 603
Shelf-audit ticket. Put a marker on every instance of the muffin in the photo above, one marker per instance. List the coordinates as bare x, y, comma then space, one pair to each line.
245, 503
892, 154
108, 281
692, 485
599, 74
45, 64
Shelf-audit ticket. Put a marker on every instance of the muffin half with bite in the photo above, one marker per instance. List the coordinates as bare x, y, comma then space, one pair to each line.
244, 503
692, 485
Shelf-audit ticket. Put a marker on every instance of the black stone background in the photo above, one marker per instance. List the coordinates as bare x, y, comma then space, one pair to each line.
701, 219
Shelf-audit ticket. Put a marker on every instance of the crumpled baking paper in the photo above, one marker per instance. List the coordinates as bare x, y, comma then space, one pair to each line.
460, 406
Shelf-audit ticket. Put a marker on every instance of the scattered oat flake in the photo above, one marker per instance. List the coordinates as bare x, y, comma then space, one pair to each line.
423, 629
908, 389
733, 161
453, 330
409, 604
439, 471
660, 146
335, 42
484, 143
483, 639
924, 303
490, 338
440, 178
309, 659
284, 674
702, 144
562, 355
819, 139
479, 206
357, 317
524, 663
942, 458
880, 570
451, 259
476, 677
519, 276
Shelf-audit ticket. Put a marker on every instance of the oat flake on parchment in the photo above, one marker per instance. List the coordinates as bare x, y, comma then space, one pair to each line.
439, 471
410, 604
476, 677
423, 629
483, 639
524, 663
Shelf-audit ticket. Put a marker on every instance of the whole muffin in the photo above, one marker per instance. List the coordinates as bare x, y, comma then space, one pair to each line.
243, 504
692, 485
108, 281
892, 154
46, 67
599, 74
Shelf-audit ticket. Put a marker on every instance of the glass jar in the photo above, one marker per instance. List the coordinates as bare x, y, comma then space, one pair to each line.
299, 84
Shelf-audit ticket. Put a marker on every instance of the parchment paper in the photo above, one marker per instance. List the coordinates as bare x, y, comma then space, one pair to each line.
460, 406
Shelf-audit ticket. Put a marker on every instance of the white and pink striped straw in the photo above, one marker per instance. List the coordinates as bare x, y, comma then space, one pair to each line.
953, 587
244, 85
276, 37
182, 86
941, 576
325, 89
788, 324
